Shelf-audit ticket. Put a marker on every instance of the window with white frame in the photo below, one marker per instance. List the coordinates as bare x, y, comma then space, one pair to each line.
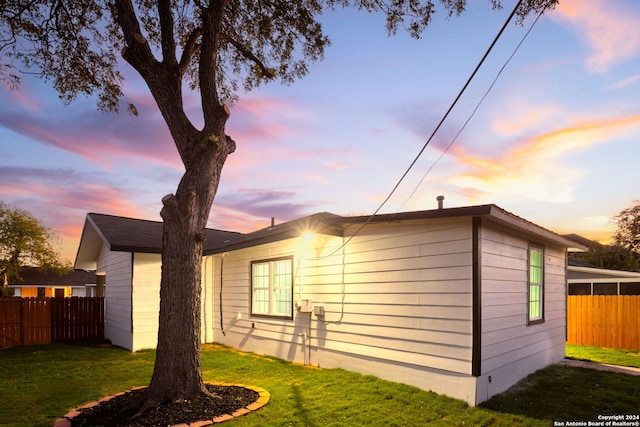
272, 287
536, 285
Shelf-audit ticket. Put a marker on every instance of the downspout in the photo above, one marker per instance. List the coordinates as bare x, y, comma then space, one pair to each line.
131, 295
220, 298
204, 284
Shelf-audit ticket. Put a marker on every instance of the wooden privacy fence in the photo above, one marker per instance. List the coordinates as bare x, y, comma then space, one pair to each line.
611, 321
26, 321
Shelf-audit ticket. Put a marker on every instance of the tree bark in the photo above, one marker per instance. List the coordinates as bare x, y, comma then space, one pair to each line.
177, 372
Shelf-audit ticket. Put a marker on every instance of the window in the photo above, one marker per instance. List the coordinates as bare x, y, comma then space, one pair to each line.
605, 289
631, 288
536, 285
272, 287
579, 288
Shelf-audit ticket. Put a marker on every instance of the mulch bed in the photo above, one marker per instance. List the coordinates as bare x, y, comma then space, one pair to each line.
117, 411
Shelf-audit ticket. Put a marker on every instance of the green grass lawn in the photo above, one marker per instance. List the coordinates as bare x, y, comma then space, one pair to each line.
610, 356
40, 383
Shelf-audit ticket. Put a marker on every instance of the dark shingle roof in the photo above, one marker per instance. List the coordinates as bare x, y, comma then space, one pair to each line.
327, 223
139, 235
42, 277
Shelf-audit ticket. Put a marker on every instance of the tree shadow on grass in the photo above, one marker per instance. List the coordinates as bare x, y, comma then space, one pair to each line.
562, 393
301, 409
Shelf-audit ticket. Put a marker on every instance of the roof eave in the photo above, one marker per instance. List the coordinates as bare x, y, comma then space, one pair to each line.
500, 216
89, 247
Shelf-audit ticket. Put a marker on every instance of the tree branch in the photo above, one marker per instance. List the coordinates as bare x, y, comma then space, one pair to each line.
137, 51
266, 71
167, 33
190, 48
163, 79
212, 107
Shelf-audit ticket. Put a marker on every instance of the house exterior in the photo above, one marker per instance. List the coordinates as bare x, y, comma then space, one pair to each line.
126, 255
35, 282
589, 280
462, 301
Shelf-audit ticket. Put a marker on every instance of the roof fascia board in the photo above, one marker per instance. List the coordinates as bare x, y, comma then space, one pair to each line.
317, 223
501, 217
604, 271
89, 227
467, 211
136, 249
104, 239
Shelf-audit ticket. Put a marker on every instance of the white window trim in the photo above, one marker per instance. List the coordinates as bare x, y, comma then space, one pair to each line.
272, 313
537, 319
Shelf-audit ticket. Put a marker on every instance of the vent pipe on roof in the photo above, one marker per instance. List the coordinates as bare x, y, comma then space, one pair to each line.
273, 222
440, 200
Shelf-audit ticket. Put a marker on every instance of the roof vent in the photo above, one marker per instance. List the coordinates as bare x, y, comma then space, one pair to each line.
440, 200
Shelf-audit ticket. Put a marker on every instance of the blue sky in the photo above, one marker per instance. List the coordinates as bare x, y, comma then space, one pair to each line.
555, 141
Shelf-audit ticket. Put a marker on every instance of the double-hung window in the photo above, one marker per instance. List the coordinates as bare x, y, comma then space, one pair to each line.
272, 287
536, 285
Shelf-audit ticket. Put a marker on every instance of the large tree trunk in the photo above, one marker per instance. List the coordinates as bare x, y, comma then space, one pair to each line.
177, 373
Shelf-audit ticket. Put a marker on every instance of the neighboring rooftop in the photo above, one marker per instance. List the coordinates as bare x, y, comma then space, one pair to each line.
41, 277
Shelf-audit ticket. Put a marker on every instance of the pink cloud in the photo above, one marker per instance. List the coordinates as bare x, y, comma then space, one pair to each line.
21, 96
266, 121
534, 167
610, 29
98, 137
225, 218
264, 203
61, 198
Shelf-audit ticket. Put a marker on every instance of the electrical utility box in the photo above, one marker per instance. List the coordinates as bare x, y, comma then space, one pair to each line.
305, 306
318, 310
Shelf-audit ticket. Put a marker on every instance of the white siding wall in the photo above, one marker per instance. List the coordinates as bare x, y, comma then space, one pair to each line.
117, 267
132, 314
398, 304
146, 300
511, 349
208, 299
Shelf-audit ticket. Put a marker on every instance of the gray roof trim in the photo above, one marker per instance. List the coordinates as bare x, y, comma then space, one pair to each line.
326, 223
491, 212
320, 223
602, 273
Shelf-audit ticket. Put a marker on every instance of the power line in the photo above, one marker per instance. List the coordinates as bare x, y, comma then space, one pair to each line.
424, 147
473, 113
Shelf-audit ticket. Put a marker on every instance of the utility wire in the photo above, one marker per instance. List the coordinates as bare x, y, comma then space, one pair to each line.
473, 113
424, 147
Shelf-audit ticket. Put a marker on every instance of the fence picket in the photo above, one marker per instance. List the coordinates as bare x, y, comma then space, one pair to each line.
610, 321
26, 321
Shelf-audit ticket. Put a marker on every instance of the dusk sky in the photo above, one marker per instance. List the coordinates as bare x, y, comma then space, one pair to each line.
556, 140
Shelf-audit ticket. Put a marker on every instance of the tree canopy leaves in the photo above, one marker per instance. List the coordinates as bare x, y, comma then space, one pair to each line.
76, 44
627, 233
624, 252
25, 241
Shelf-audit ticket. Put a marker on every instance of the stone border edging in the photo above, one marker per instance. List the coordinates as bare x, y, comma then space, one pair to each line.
263, 398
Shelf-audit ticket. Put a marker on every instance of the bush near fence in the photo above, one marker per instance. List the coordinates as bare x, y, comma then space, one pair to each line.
25, 321
610, 321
